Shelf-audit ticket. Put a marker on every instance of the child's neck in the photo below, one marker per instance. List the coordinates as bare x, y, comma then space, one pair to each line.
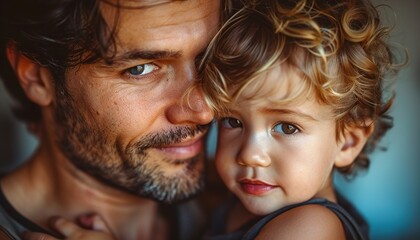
238, 216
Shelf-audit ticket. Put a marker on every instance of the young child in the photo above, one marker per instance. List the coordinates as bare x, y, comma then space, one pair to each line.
299, 88
298, 85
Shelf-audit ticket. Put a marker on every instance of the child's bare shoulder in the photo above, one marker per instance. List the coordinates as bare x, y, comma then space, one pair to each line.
304, 222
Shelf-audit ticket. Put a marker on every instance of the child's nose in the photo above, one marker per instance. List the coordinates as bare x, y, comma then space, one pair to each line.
254, 154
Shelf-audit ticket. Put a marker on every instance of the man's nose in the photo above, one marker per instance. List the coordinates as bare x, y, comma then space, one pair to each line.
191, 107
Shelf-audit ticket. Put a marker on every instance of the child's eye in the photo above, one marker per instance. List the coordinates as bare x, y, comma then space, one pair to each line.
286, 128
229, 122
142, 69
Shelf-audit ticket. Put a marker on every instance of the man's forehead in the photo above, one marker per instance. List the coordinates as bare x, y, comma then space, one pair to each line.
160, 31
137, 3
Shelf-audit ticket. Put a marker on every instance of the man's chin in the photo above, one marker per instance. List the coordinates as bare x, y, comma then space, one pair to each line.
176, 193
186, 183
178, 185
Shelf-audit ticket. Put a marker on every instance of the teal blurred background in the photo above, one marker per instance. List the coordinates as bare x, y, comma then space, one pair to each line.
388, 194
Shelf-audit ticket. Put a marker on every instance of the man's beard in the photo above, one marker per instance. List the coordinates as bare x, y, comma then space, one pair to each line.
130, 169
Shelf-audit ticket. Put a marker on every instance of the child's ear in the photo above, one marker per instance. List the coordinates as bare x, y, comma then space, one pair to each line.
352, 142
36, 81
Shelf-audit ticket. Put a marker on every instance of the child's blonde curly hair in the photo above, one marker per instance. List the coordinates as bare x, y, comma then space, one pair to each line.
341, 43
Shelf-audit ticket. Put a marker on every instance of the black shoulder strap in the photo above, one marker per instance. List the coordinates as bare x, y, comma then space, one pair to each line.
5, 235
352, 229
13, 213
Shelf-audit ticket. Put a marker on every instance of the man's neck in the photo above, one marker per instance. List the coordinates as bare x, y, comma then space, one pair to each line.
43, 188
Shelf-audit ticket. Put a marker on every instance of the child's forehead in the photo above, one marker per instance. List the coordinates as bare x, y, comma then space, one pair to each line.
282, 82
281, 90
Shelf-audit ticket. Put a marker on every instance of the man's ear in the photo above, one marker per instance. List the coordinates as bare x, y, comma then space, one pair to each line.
351, 143
36, 81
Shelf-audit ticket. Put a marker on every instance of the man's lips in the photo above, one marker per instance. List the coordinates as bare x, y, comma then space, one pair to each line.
185, 149
255, 187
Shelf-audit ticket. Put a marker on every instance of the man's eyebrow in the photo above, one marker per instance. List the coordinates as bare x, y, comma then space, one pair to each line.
289, 112
141, 55
137, 4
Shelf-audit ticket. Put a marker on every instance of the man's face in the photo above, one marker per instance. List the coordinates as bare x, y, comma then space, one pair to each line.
126, 122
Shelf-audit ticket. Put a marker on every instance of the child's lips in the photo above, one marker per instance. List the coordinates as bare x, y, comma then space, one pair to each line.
255, 187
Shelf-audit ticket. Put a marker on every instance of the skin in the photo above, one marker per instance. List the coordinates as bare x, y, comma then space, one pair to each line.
274, 152
120, 136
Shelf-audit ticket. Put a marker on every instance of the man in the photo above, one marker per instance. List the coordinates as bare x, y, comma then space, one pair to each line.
103, 85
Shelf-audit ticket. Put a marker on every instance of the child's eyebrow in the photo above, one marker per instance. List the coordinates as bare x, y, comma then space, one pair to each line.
288, 112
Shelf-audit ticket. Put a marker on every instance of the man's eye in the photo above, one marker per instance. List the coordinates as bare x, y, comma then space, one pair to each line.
230, 122
286, 128
141, 69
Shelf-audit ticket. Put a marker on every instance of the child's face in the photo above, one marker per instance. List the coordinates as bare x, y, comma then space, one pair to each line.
272, 154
